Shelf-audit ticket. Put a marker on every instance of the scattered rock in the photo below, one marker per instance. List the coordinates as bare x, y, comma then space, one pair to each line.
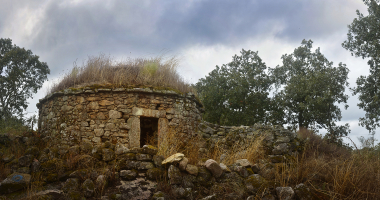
244, 162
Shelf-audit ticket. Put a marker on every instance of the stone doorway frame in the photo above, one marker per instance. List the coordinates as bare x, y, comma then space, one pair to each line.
134, 132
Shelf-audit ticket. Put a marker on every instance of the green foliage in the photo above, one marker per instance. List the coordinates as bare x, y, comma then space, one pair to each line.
237, 93
21, 75
363, 40
312, 88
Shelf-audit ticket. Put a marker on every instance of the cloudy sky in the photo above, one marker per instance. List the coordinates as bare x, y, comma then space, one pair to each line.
201, 33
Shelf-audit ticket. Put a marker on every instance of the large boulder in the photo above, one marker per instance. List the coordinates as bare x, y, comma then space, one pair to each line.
14, 182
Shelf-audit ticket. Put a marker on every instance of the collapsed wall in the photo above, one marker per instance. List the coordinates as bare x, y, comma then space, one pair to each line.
129, 116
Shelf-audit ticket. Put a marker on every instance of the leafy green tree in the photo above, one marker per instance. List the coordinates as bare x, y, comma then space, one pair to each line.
237, 93
21, 75
311, 90
363, 39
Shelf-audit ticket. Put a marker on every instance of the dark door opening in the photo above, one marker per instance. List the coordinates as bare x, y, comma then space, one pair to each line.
149, 130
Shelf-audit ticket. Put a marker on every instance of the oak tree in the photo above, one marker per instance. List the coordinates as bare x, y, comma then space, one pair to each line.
363, 40
21, 75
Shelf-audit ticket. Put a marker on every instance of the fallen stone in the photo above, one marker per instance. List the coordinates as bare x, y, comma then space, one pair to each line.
14, 182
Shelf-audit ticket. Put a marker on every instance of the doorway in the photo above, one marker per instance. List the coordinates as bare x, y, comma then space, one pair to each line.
148, 131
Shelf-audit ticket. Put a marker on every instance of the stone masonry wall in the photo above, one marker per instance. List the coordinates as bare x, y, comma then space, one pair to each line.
97, 115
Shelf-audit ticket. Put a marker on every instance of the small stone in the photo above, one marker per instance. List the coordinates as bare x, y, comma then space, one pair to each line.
285, 193
143, 157
244, 162
224, 167
128, 174
214, 167
108, 154
113, 114
88, 188
192, 169
120, 149
182, 164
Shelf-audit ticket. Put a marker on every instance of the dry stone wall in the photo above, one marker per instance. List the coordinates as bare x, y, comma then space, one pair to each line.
278, 142
102, 114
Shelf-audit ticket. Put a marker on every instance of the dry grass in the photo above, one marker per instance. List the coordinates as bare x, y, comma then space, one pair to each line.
104, 71
333, 172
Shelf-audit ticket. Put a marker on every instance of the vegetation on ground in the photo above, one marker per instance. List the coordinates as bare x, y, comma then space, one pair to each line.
104, 71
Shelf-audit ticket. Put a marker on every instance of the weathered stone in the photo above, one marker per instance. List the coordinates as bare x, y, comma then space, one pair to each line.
174, 175
281, 149
26, 160
163, 129
134, 132
128, 174
98, 132
154, 174
192, 169
182, 164
143, 157
105, 103
302, 192
137, 189
224, 167
254, 182
204, 177
244, 162
120, 149
93, 106
100, 115
214, 168
101, 182
173, 158
149, 149
113, 114
71, 184
157, 160
108, 154
88, 188
8, 158
285, 193
145, 165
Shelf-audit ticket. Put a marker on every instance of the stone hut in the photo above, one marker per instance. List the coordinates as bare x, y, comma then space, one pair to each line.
130, 116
